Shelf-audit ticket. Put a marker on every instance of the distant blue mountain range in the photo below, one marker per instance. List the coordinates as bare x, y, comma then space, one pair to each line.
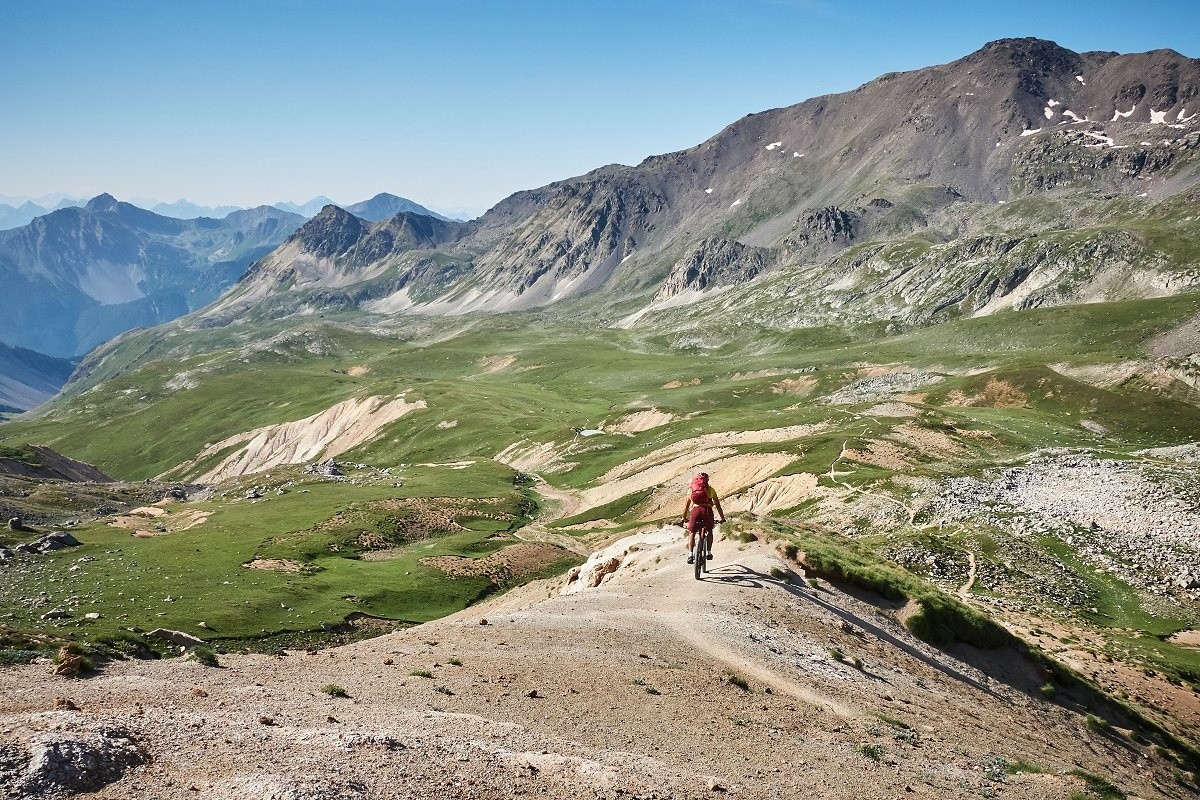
18, 212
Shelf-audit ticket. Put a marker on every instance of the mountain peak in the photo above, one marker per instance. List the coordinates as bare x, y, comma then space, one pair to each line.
330, 232
102, 202
331, 212
1028, 53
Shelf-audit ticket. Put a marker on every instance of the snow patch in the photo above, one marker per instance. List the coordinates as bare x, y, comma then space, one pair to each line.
736, 203
773, 145
1081, 80
1144, 194
1158, 117
1181, 118
708, 191
801, 155
1069, 113
1049, 112
1119, 114
1030, 132
1052, 103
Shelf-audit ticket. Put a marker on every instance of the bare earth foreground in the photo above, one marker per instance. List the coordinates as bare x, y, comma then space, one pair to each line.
650, 684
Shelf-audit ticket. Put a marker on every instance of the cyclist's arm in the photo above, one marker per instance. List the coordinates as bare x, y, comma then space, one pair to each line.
687, 505
720, 511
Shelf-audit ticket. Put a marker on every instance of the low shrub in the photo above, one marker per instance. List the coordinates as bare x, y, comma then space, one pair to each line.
738, 681
205, 656
871, 751
941, 620
333, 690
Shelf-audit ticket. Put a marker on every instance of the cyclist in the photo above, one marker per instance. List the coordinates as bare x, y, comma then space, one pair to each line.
700, 502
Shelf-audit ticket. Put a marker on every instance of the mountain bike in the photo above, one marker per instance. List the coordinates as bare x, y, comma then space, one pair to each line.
700, 551
700, 554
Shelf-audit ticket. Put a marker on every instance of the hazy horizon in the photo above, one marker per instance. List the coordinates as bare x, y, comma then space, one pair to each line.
453, 105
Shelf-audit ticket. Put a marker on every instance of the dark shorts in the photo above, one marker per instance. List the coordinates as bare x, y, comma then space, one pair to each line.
701, 519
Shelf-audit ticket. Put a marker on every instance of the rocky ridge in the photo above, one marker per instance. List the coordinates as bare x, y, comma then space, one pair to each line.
79, 276
908, 154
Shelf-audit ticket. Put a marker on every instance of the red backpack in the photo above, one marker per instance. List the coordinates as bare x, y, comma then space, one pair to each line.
699, 490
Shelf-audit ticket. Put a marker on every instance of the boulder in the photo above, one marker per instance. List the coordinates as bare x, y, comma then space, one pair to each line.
15, 524
55, 540
329, 468
175, 637
69, 664
72, 762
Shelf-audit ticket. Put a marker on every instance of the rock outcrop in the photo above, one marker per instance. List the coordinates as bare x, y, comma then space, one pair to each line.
716, 262
36, 461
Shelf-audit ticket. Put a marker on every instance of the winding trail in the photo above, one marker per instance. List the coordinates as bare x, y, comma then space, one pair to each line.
538, 530
833, 476
965, 589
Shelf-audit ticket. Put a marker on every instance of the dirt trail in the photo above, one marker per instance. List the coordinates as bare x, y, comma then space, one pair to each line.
965, 589
599, 692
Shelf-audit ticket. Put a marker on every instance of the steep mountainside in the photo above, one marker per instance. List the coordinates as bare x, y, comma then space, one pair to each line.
79, 276
28, 379
1101, 144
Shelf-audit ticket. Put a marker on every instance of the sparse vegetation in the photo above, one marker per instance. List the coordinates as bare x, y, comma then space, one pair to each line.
1098, 787
333, 690
734, 679
874, 752
205, 656
421, 673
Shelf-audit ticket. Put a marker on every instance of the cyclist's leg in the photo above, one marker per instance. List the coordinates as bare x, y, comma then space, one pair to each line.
694, 523
709, 522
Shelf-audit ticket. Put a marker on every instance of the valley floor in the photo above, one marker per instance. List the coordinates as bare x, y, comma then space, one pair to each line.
749, 683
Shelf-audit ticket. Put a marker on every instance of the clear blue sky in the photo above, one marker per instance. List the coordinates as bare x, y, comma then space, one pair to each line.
455, 103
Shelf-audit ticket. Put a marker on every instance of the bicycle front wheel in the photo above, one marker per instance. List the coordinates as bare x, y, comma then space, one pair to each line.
698, 554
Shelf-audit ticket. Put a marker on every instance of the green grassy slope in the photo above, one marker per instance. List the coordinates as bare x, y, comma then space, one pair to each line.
493, 383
